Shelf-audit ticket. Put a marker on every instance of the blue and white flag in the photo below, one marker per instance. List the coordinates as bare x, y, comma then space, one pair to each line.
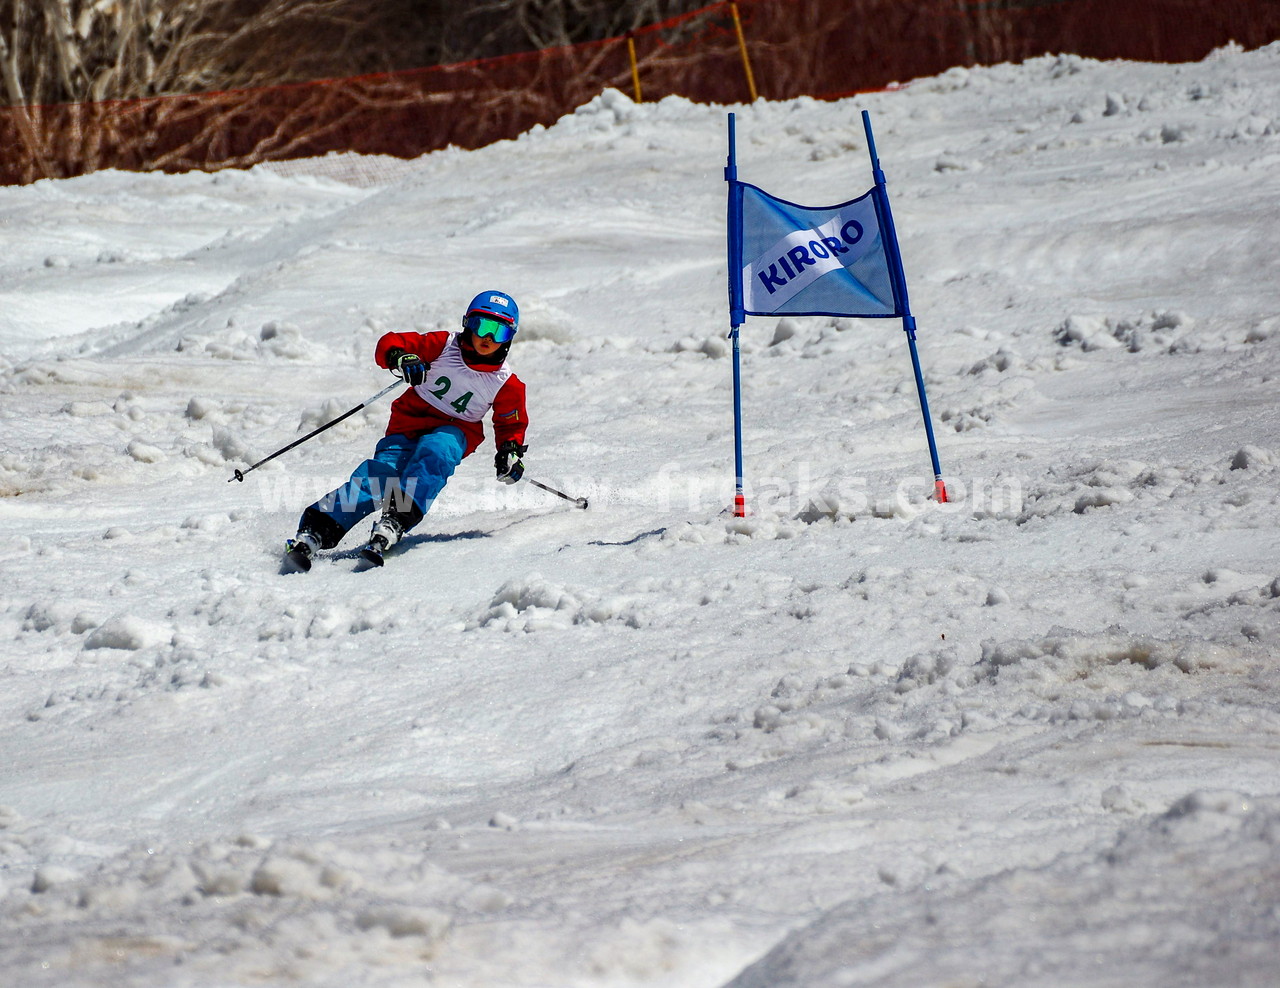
810, 261
788, 259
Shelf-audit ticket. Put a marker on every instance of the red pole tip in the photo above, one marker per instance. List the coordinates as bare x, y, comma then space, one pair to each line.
739, 506
940, 491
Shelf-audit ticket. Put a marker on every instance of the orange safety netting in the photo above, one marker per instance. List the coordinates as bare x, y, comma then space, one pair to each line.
821, 48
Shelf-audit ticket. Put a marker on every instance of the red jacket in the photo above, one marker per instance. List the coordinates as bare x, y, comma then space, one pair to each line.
464, 389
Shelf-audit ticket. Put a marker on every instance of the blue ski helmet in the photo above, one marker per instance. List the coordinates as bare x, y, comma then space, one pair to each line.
493, 314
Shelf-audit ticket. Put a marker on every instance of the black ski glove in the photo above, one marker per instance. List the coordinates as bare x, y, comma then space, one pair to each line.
410, 366
507, 462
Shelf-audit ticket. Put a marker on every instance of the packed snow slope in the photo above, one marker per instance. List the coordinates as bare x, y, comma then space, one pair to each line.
1029, 737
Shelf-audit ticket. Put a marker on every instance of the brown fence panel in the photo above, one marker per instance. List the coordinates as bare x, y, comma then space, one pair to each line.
821, 48
826, 48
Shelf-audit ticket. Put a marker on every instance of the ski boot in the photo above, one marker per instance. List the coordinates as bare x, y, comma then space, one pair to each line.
298, 552
386, 532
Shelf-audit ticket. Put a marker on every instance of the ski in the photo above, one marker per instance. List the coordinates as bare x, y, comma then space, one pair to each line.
386, 532
372, 555
297, 558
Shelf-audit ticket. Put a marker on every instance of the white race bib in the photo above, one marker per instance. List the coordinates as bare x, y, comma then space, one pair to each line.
458, 390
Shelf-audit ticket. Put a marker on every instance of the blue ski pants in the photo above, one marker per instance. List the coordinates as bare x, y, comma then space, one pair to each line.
408, 474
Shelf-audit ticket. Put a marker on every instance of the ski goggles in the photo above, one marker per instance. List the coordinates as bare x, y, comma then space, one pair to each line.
483, 324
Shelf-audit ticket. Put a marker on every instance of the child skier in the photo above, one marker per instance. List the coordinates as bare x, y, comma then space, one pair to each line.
454, 380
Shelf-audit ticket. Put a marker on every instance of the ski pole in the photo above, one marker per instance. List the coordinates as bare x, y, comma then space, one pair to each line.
581, 502
239, 474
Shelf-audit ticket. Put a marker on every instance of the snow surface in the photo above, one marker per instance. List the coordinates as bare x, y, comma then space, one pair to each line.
857, 738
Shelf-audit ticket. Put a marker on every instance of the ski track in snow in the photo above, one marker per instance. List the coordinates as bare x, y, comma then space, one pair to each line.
856, 738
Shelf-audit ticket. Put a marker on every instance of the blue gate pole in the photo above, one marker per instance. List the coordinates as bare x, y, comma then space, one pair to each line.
736, 313
901, 301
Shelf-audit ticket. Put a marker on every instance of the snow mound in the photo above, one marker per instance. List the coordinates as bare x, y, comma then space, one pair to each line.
1029, 924
537, 604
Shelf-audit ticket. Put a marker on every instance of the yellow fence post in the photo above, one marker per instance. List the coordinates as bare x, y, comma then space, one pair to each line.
742, 47
635, 70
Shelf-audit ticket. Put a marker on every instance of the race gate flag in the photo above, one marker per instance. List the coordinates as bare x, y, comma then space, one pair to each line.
812, 261
842, 260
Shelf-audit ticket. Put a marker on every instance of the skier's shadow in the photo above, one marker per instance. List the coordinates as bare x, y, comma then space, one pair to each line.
412, 540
